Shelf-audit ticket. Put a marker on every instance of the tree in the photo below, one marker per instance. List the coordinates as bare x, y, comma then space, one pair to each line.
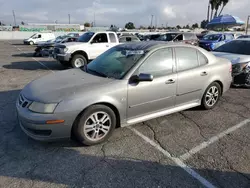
195, 25
204, 24
218, 3
178, 27
187, 27
212, 3
130, 25
87, 24
22, 23
224, 3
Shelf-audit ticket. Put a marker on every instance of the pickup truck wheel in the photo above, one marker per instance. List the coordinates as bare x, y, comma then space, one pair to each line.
95, 125
31, 43
78, 61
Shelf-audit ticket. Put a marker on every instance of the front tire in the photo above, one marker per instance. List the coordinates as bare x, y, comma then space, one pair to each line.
211, 96
78, 61
95, 125
31, 43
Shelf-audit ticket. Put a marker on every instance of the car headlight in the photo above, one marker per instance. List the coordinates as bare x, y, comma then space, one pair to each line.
65, 50
42, 108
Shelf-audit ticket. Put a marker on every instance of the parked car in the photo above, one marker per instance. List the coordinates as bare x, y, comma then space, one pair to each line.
128, 84
203, 33
149, 37
238, 52
213, 41
125, 39
243, 37
39, 37
47, 48
89, 46
188, 38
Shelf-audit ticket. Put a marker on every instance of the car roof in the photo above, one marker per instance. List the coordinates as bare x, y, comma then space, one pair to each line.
150, 45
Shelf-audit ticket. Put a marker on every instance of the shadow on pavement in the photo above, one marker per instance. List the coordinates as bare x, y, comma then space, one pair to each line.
23, 55
34, 65
28, 163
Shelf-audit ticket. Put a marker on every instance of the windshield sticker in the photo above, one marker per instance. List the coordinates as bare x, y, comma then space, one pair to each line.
134, 52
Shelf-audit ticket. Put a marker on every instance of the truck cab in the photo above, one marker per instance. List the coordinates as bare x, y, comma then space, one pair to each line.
88, 47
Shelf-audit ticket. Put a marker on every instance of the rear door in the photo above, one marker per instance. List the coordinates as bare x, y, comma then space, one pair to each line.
192, 74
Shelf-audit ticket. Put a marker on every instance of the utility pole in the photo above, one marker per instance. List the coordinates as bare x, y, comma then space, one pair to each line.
14, 16
248, 17
152, 17
94, 20
69, 18
155, 22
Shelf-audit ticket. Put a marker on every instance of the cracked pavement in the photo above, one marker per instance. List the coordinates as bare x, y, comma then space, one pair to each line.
125, 160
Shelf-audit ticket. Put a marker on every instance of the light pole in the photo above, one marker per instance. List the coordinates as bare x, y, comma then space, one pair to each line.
152, 17
69, 18
14, 17
248, 17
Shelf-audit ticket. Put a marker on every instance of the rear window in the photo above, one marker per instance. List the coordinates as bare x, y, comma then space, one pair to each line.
235, 47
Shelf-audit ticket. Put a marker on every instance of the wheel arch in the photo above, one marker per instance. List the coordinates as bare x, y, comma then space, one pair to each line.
81, 52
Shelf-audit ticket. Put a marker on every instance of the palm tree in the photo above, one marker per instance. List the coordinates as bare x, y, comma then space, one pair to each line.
224, 3
212, 3
218, 3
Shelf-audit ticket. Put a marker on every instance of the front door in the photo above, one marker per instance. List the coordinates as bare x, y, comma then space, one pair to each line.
148, 97
98, 45
192, 75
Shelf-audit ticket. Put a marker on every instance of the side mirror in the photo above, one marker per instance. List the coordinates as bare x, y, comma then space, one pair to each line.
142, 78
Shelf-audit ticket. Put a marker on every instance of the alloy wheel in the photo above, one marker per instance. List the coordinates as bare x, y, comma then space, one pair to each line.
212, 96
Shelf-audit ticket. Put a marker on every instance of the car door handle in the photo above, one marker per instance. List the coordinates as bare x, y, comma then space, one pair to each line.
204, 73
170, 81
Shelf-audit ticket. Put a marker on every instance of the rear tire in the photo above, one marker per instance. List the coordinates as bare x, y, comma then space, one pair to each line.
211, 96
78, 61
95, 125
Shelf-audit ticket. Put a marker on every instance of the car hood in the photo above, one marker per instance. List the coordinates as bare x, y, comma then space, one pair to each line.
234, 58
69, 44
59, 86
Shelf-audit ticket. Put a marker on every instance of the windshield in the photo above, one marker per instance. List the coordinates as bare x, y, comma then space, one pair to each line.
167, 37
115, 63
211, 37
86, 37
34, 36
235, 47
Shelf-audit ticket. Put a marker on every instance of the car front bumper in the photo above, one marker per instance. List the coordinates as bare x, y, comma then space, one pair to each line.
35, 126
62, 57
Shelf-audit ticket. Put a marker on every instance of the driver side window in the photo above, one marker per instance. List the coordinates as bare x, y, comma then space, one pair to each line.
39, 36
100, 38
159, 64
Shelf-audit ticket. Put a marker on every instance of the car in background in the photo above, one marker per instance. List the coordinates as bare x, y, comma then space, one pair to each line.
149, 37
124, 39
39, 37
212, 41
203, 33
128, 84
188, 38
243, 37
47, 48
76, 35
238, 52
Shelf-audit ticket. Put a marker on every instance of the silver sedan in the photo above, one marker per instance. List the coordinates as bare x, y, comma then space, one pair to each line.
128, 84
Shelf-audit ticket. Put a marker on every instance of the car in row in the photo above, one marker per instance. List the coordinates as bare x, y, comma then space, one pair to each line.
127, 84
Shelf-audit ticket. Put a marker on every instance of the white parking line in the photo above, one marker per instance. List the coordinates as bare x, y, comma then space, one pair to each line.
35, 59
212, 140
176, 160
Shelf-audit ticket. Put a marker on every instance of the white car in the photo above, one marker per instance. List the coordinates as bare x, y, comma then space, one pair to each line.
89, 46
39, 37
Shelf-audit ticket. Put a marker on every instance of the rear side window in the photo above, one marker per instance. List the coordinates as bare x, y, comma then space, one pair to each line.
186, 58
112, 37
202, 58
160, 63
229, 37
100, 38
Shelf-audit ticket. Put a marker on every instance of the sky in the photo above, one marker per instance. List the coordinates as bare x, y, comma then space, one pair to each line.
116, 12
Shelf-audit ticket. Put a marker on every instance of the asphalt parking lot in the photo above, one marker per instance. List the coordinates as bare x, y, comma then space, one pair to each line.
194, 148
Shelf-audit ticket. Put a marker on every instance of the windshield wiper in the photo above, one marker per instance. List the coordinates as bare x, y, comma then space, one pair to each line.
96, 72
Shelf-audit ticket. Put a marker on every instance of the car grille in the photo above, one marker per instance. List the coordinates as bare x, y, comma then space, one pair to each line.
23, 102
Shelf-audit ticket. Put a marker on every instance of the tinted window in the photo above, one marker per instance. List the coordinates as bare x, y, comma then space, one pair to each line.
202, 59
112, 38
160, 63
212, 37
235, 47
186, 58
179, 38
39, 36
100, 38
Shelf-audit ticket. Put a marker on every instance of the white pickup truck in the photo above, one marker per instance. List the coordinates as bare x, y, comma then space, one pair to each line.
89, 46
